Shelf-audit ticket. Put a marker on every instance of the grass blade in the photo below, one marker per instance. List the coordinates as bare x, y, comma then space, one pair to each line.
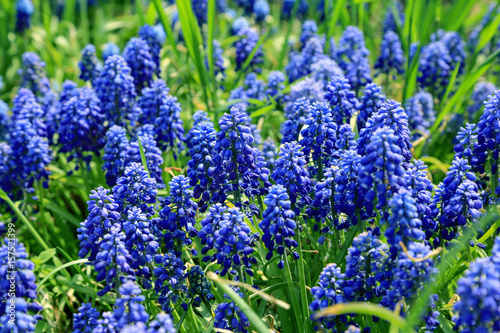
57, 269
143, 156
168, 30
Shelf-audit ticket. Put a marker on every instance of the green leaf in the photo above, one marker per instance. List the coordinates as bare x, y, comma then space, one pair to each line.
57, 269
44, 256
143, 156
168, 30
262, 111
451, 84
455, 16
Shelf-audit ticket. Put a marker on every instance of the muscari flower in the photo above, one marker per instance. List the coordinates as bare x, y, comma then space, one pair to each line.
169, 282
389, 20
152, 153
300, 64
288, 6
239, 24
342, 99
230, 317
370, 103
200, 10
168, 123
112, 262
416, 121
269, 150
381, 170
480, 94
434, 68
162, 324
33, 74
391, 115
252, 88
278, 224
261, 10
466, 141
275, 83
309, 88
177, 216
319, 136
296, 118
358, 71
24, 12
209, 225
81, 126
391, 58
245, 46
110, 49
103, 214
115, 153
199, 116
456, 48
5, 120
129, 308
26, 107
142, 66
350, 43
199, 286
151, 100
324, 69
90, 66
219, 68
85, 320
309, 29
345, 139
22, 321
116, 90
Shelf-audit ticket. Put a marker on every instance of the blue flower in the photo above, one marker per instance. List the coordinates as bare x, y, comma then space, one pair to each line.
245, 46
141, 243
26, 107
24, 12
309, 88
199, 116
153, 156
168, 123
479, 303
90, 66
466, 141
269, 150
22, 321
319, 136
370, 103
112, 262
177, 216
404, 224
135, 189
209, 225
391, 58
129, 308
252, 88
434, 68
309, 29
199, 286
116, 90
151, 100
103, 214
350, 43
288, 5
296, 118
345, 139
219, 68
275, 83
324, 69
381, 170
228, 316
409, 275
200, 10
300, 65
322, 208
81, 127
456, 48
456, 201
389, 20
342, 99
33, 74
328, 292
416, 121
146, 129
391, 115
482, 91
365, 267
233, 244
115, 153
162, 324
358, 71
5, 120
239, 24
278, 224
200, 170
85, 320
110, 49
427, 101
5, 171
235, 159
420, 188
169, 273
142, 65
261, 10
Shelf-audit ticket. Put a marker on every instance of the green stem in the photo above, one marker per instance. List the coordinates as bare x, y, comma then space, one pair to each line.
302, 284
295, 302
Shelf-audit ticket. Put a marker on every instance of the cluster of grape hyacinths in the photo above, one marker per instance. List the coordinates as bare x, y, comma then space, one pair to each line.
381, 170
235, 160
168, 124
229, 316
416, 120
296, 119
309, 30
278, 225
466, 142
482, 91
351, 44
319, 136
199, 286
479, 291
456, 201
391, 115
81, 125
391, 59
371, 101
308, 88
434, 68
300, 63
275, 83
178, 215
245, 46
155, 37
323, 204
358, 71
116, 90
169, 282
152, 153
342, 99
86, 319
252, 88
347, 197
455, 46
26, 107
116, 155
15, 265
90, 66
142, 65
324, 69
24, 12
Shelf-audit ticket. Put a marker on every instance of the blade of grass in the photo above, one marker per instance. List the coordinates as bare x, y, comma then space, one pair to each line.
143, 156
140, 14
288, 33
57, 269
455, 16
168, 30
487, 33
451, 84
